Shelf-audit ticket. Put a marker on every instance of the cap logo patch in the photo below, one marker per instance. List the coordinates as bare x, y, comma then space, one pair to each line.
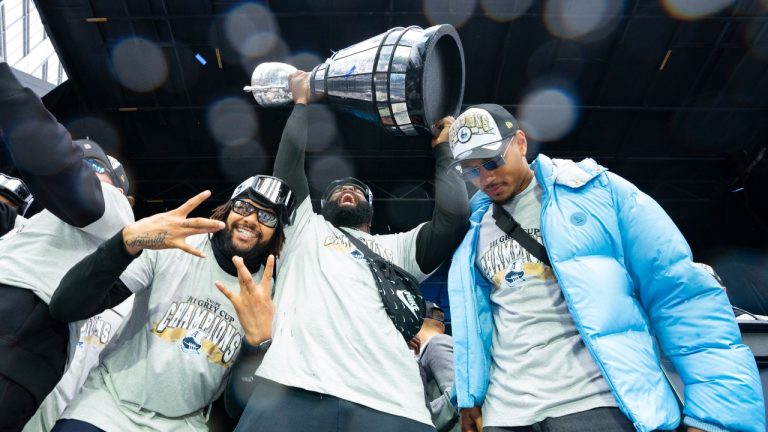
464, 134
469, 124
509, 124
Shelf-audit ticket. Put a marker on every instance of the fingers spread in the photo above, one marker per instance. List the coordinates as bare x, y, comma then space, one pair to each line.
189, 249
193, 202
269, 268
203, 225
243, 274
227, 293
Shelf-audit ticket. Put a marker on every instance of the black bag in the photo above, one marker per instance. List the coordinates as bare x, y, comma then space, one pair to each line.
398, 289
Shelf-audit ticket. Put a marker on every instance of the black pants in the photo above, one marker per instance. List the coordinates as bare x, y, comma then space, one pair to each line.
72, 425
33, 354
597, 419
278, 408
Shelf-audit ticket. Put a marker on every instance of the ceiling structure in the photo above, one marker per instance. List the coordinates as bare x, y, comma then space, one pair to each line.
671, 94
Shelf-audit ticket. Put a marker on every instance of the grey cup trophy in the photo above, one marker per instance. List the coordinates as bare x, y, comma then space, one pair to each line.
405, 79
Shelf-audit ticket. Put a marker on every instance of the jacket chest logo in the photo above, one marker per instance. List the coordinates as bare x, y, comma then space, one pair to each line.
578, 218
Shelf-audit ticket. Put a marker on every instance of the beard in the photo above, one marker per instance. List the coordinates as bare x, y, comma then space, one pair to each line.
227, 246
361, 214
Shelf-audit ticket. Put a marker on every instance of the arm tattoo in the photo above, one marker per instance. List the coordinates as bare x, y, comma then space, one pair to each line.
145, 241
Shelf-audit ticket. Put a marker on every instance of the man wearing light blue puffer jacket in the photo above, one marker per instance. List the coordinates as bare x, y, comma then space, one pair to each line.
559, 317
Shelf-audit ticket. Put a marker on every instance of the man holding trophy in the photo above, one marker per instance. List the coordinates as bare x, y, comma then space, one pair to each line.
338, 360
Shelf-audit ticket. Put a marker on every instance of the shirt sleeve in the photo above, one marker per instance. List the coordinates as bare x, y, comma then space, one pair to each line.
117, 214
691, 316
140, 274
91, 286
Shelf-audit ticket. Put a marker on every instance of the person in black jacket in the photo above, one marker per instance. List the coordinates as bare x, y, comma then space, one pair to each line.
83, 196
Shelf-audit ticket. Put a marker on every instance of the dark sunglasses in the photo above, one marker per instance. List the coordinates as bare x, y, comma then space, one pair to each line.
245, 209
96, 165
470, 174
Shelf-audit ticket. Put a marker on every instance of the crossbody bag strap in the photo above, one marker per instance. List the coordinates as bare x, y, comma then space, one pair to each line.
509, 225
360, 245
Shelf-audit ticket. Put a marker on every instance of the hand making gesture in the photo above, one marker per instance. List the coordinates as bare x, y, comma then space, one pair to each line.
253, 305
170, 229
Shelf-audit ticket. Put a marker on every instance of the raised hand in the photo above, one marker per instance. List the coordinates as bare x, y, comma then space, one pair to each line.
170, 229
299, 84
441, 128
253, 305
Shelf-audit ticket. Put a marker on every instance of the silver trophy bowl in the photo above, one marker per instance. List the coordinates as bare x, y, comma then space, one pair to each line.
404, 79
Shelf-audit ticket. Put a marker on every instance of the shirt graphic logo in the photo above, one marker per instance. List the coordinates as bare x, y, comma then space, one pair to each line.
201, 326
515, 273
192, 343
95, 332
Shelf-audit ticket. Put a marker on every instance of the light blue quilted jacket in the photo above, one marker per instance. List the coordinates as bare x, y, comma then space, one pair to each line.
627, 275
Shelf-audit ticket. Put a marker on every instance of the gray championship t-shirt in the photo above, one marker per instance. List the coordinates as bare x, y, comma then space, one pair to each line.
95, 333
175, 351
331, 332
541, 367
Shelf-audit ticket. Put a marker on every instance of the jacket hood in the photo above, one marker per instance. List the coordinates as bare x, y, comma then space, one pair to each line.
549, 172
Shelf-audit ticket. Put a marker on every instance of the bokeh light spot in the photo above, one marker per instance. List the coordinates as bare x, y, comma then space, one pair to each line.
251, 29
232, 120
323, 171
588, 19
505, 10
453, 12
694, 9
139, 64
548, 114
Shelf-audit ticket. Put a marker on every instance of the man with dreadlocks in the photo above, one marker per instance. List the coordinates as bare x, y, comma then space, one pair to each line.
175, 351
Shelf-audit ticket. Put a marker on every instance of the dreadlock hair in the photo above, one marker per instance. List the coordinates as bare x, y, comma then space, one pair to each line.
278, 238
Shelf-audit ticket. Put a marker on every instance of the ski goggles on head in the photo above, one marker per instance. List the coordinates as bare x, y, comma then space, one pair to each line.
245, 209
271, 192
349, 181
96, 165
15, 190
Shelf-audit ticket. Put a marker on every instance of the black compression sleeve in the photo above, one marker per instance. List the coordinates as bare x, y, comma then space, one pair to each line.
289, 163
42, 151
93, 284
439, 237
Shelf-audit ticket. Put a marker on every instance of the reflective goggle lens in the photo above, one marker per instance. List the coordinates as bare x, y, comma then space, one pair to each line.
97, 166
245, 209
